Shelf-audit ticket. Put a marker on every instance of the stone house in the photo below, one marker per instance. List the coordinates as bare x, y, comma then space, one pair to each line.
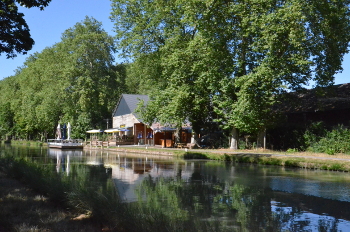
125, 118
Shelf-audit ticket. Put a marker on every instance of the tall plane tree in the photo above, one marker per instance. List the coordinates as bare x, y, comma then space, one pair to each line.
73, 81
233, 58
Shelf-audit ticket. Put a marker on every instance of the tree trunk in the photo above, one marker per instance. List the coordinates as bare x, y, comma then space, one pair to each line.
261, 141
234, 139
195, 140
178, 135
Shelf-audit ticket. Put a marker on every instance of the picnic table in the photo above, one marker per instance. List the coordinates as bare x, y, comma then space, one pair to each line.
181, 145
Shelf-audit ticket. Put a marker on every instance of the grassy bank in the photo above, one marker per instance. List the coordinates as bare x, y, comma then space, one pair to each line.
298, 160
25, 142
309, 160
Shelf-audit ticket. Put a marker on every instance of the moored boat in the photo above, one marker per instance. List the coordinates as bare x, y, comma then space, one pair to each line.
65, 143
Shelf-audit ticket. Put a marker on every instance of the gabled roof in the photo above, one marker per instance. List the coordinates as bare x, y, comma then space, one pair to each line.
128, 103
336, 97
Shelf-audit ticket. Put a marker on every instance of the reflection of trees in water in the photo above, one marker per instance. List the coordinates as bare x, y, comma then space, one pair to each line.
207, 199
328, 225
222, 204
296, 219
94, 177
225, 204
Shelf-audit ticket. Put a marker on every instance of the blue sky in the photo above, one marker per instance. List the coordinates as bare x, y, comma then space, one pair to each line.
47, 26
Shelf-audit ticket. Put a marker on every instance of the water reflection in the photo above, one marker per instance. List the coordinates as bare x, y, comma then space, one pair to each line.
129, 172
241, 197
63, 158
332, 189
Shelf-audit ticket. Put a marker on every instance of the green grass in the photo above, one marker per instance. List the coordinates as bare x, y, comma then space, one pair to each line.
26, 142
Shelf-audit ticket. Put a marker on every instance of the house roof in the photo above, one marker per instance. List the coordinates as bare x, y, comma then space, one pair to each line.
336, 97
127, 104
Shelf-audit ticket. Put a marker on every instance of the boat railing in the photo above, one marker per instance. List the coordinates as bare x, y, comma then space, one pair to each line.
70, 141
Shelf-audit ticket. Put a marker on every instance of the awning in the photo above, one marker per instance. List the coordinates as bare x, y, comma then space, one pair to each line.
164, 129
157, 127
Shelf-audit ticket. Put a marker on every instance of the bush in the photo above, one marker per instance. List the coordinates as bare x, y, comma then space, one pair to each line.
333, 142
292, 150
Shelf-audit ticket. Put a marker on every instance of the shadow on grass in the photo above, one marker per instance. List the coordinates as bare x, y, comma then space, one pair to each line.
194, 155
21, 209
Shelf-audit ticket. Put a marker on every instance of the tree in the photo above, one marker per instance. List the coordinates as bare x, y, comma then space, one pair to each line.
73, 81
94, 83
176, 95
235, 57
15, 36
143, 75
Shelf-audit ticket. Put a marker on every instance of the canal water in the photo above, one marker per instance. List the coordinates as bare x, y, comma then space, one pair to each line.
240, 195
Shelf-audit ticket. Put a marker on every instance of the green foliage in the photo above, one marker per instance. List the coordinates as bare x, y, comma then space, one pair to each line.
292, 150
316, 137
38, 176
15, 34
314, 133
73, 81
333, 142
292, 163
227, 61
194, 155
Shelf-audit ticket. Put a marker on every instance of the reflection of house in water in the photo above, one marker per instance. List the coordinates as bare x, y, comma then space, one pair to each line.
128, 174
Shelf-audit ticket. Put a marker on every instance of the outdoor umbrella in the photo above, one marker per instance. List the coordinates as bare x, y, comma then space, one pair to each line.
124, 135
112, 130
69, 130
58, 131
94, 131
64, 131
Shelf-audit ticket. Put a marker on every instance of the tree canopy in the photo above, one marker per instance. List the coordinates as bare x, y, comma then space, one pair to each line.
229, 60
73, 81
15, 34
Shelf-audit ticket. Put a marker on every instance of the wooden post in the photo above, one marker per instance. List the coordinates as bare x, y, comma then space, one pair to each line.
145, 136
164, 139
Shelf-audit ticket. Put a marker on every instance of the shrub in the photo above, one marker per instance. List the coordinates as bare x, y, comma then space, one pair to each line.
334, 141
291, 150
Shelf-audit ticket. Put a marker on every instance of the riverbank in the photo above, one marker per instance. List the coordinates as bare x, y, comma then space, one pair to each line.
308, 160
